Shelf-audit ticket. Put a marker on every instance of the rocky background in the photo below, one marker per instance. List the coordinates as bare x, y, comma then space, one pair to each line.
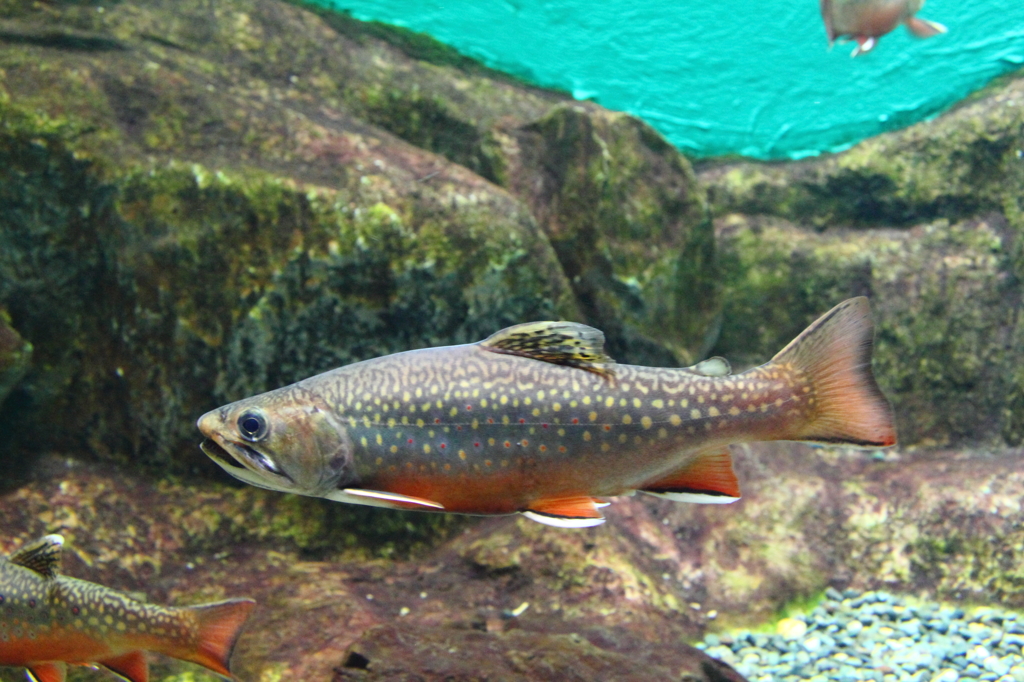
201, 201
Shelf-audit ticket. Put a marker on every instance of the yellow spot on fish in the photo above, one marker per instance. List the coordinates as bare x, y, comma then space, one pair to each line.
426, 448
536, 412
622, 437
556, 407
694, 414
713, 411
483, 402
727, 397
700, 399
662, 433
592, 416
504, 400
420, 423
439, 404
380, 460
637, 402
574, 403
684, 403
778, 402
626, 419
605, 447
462, 454
363, 441
609, 402
675, 420
751, 408
540, 395
452, 412
646, 422
527, 401
734, 410
561, 432
490, 441
764, 407
394, 449
586, 400
586, 435
380, 440
658, 403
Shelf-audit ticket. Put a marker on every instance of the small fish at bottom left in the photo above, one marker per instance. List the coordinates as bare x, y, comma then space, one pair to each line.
48, 620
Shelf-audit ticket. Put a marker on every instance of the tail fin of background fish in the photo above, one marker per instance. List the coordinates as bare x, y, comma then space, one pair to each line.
834, 354
219, 626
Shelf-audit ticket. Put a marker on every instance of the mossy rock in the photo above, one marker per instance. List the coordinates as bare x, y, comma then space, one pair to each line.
943, 298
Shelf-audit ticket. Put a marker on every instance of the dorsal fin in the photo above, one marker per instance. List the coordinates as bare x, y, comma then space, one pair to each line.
560, 343
42, 556
712, 367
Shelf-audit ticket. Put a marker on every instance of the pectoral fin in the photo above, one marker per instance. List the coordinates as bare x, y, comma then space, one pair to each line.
131, 666
48, 672
378, 498
708, 479
566, 512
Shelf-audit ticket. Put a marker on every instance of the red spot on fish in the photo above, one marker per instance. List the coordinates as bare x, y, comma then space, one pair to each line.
469, 407
437, 421
508, 444
561, 448
1, 599
31, 603
543, 448
458, 428
410, 441
443, 446
607, 427
75, 610
490, 420
524, 443
477, 444
544, 425
574, 421
522, 421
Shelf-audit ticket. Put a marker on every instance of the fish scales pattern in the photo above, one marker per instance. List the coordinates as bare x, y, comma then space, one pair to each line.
423, 421
87, 621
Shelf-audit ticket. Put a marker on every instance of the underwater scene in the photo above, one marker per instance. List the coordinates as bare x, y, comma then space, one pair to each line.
534, 340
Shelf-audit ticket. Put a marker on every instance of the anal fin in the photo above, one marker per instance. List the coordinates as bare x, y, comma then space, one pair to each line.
707, 479
48, 672
566, 512
922, 28
131, 666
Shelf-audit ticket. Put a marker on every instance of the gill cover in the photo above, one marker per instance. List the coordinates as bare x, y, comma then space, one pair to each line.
286, 440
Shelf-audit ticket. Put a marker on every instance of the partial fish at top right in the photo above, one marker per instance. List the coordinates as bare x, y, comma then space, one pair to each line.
867, 20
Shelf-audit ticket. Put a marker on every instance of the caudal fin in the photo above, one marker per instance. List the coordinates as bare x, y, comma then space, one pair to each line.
834, 355
219, 626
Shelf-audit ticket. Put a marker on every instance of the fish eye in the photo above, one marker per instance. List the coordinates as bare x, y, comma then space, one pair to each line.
252, 425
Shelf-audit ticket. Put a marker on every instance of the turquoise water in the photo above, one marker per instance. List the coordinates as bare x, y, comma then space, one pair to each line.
734, 76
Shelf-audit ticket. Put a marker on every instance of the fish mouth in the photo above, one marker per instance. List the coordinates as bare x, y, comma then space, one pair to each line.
247, 464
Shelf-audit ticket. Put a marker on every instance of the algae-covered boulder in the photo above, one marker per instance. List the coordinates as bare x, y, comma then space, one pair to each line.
925, 221
15, 356
201, 202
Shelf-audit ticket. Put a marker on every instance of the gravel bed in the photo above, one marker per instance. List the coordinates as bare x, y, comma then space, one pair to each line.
879, 636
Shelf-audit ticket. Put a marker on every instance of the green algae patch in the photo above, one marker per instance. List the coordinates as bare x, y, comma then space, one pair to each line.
941, 294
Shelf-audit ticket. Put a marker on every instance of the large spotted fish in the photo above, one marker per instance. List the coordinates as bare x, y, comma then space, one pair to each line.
867, 20
48, 620
537, 419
